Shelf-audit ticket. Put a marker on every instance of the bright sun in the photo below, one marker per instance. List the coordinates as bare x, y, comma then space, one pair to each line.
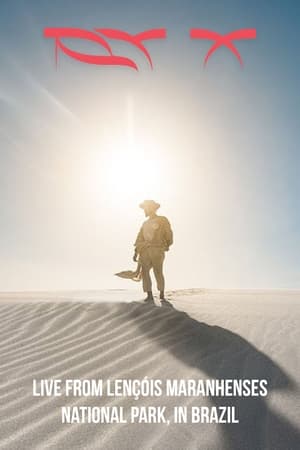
127, 173
128, 166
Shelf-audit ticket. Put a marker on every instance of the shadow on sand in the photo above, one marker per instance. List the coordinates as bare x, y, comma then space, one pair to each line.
222, 354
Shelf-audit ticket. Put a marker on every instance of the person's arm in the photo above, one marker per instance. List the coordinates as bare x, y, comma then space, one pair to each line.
168, 233
139, 239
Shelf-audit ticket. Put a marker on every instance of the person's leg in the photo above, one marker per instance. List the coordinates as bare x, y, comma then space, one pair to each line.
157, 257
146, 264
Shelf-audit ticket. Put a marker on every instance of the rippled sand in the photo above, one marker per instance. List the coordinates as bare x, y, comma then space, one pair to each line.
109, 335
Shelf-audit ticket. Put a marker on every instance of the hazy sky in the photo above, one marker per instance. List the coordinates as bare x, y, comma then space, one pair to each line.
82, 145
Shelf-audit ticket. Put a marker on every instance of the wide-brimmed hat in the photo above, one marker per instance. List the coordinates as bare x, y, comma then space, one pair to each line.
150, 204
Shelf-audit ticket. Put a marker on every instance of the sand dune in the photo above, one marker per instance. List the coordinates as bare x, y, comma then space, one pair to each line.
109, 335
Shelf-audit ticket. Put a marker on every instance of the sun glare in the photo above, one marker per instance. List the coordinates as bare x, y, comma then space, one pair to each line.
126, 173
127, 166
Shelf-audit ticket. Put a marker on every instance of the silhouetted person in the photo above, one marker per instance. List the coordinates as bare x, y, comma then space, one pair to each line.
153, 240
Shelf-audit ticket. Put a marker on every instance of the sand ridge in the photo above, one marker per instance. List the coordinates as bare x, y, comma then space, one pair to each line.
207, 334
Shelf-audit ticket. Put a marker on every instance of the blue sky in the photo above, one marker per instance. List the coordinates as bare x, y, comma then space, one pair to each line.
227, 137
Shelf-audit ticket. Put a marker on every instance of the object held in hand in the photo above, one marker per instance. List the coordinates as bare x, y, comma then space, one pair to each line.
130, 274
